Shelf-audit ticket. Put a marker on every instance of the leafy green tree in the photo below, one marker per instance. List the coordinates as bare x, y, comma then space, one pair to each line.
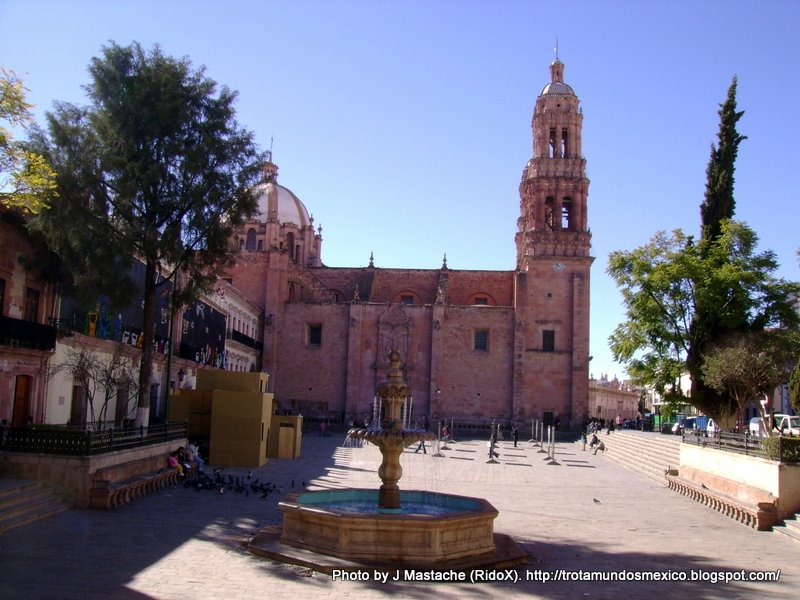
26, 179
156, 169
719, 203
750, 365
665, 282
794, 387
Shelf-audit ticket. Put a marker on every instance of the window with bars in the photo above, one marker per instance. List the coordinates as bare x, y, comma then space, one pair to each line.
481, 339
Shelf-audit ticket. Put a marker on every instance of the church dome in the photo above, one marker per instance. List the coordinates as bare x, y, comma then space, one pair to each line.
279, 203
557, 88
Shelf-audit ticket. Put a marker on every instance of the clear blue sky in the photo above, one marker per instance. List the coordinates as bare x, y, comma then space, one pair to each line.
404, 126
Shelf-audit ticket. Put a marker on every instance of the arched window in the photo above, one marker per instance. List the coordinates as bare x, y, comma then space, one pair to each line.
566, 213
549, 213
481, 299
407, 297
251, 239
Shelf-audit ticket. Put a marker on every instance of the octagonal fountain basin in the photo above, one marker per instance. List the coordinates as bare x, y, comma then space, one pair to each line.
427, 528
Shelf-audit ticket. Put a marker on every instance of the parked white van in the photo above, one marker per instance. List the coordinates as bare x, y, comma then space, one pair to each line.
784, 424
787, 424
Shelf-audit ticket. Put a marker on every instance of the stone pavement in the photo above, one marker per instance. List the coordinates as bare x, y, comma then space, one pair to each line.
584, 514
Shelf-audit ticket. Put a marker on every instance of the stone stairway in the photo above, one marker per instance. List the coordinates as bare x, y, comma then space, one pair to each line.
650, 454
23, 501
789, 528
647, 453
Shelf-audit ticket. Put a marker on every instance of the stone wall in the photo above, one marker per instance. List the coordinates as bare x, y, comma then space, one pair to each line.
749, 479
73, 474
462, 286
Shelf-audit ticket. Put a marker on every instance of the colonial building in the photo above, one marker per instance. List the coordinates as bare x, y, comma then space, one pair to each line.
57, 353
27, 337
609, 399
476, 345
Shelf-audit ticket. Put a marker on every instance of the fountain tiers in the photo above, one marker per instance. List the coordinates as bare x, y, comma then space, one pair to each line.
395, 537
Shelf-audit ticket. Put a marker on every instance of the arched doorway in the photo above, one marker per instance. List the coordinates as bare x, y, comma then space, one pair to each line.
22, 399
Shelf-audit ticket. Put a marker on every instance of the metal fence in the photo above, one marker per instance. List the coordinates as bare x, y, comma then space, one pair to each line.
53, 439
783, 449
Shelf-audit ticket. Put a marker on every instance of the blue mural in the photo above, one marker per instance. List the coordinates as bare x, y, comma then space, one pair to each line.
121, 324
203, 335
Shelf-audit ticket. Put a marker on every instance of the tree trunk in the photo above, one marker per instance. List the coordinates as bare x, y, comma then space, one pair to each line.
148, 336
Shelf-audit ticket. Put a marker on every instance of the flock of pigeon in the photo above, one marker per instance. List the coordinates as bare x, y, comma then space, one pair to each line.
217, 482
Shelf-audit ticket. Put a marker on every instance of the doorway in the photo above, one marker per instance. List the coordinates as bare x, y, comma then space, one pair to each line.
22, 400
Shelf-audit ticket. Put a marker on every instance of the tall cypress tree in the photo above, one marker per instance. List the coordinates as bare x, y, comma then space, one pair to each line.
719, 203
726, 312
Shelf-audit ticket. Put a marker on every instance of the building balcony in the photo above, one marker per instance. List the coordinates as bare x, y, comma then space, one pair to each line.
26, 334
238, 336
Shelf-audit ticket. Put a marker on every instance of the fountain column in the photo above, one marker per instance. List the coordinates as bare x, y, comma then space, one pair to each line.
392, 393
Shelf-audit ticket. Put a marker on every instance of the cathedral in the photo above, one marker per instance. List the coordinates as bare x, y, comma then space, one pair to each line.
476, 345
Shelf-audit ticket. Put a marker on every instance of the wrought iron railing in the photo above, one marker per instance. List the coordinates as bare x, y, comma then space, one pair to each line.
783, 449
26, 334
246, 340
50, 439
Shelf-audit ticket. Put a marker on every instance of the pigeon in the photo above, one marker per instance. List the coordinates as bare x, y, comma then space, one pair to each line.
596, 501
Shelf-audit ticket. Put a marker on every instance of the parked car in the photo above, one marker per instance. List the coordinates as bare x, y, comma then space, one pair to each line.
667, 427
687, 423
787, 424
712, 428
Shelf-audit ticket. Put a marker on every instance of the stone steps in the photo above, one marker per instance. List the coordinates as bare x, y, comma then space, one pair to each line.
649, 454
790, 528
23, 502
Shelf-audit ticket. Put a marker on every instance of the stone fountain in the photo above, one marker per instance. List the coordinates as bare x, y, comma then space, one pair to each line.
387, 526
391, 438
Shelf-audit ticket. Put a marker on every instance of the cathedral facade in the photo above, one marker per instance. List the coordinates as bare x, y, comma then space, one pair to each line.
477, 345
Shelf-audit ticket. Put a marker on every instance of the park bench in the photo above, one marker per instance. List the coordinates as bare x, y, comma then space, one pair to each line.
119, 484
758, 515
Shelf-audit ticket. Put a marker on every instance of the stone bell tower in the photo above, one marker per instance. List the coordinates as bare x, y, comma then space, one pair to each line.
553, 242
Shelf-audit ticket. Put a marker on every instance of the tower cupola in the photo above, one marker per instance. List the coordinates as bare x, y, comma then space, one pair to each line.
554, 188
